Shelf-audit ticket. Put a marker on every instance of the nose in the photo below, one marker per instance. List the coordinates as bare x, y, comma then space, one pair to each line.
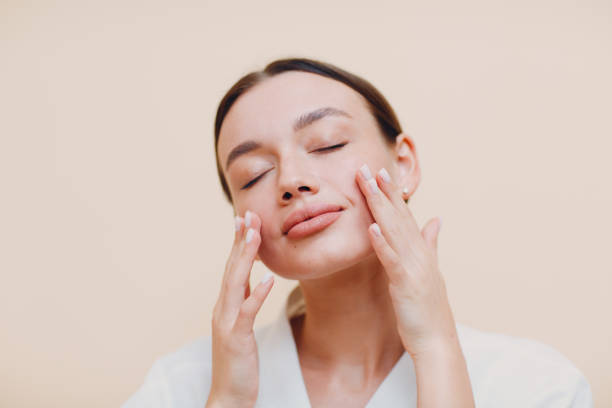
295, 181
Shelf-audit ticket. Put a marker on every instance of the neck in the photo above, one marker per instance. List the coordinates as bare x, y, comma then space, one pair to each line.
349, 319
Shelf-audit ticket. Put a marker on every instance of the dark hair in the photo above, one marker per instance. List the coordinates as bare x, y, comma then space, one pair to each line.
378, 105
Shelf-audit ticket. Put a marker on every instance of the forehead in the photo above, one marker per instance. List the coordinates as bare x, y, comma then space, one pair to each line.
268, 110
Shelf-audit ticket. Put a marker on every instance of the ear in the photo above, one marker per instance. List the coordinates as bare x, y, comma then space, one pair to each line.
407, 164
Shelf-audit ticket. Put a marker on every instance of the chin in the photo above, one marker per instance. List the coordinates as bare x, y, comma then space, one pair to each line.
318, 258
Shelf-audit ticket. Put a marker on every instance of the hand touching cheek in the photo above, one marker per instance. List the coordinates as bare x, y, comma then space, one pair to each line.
410, 259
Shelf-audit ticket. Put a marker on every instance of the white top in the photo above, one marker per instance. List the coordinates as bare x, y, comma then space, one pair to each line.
504, 371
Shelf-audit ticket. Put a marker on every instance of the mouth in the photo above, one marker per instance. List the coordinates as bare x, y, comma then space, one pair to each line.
313, 224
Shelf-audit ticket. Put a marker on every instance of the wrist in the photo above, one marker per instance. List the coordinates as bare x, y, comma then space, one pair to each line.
218, 401
438, 348
442, 375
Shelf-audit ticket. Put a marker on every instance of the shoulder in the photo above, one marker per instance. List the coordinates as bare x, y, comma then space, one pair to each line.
521, 371
181, 377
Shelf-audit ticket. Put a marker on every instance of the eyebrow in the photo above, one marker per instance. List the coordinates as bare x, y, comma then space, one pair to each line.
300, 123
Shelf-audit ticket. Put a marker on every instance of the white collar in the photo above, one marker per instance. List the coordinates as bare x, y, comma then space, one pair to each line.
281, 380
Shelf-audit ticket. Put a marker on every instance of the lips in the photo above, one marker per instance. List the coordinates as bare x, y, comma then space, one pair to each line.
307, 212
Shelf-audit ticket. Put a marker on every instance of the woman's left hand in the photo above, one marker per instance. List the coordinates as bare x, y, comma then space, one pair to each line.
424, 318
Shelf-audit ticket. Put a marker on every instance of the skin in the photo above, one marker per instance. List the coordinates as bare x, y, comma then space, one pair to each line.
348, 273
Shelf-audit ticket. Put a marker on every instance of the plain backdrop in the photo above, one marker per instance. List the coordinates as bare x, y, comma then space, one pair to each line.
114, 231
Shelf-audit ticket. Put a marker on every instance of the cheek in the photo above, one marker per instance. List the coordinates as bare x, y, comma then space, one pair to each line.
270, 228
346, 183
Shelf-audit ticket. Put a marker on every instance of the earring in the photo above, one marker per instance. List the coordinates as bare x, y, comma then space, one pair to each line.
405, 193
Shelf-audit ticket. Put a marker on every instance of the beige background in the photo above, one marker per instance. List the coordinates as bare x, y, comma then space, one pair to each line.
113, 228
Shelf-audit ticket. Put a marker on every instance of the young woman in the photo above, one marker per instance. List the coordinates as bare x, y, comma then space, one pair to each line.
319, 173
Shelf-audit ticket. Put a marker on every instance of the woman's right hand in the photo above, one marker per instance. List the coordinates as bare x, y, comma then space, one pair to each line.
235, 364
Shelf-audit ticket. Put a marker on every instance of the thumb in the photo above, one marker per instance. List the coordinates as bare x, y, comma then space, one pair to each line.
431, 231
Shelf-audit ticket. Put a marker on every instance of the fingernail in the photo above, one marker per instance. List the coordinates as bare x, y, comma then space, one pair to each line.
247, 219
365, 172
237, 222
373, 186
267, 277
249, 235
385, 175
376, 229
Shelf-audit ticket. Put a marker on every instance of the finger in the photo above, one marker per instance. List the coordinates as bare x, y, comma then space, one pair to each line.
390, 188
238, 228
430, 233
238, 233
238, 277
253, 222
250, 307
388, 257
377, 201
242, 224
393, 192
395, 224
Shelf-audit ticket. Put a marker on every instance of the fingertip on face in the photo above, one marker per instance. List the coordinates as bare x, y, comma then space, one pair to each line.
251, 220
365, 172
367, 181
384, 175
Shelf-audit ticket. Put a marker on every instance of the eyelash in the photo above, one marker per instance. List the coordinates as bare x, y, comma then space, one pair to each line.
336, 146
323, 149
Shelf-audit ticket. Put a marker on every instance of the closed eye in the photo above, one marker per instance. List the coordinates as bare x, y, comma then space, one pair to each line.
250, 183
323, 149
336, 146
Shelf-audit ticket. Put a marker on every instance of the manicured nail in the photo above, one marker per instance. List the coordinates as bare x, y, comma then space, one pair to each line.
249, 235
365, 172
376, 229
247, 219
373, 186
267, 277
237, 222
384, 175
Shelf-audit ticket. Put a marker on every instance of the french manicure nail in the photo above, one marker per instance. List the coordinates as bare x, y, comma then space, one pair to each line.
376, 229
365, 172
249, 235
373, 186
267, 277
247, 219
237, 222
385, 175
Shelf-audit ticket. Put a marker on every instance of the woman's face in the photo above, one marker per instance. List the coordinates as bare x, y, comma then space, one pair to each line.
293, 169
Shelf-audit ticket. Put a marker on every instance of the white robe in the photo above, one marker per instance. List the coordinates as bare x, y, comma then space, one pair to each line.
505, 371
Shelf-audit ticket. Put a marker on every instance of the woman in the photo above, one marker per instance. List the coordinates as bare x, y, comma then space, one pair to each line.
319, 173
